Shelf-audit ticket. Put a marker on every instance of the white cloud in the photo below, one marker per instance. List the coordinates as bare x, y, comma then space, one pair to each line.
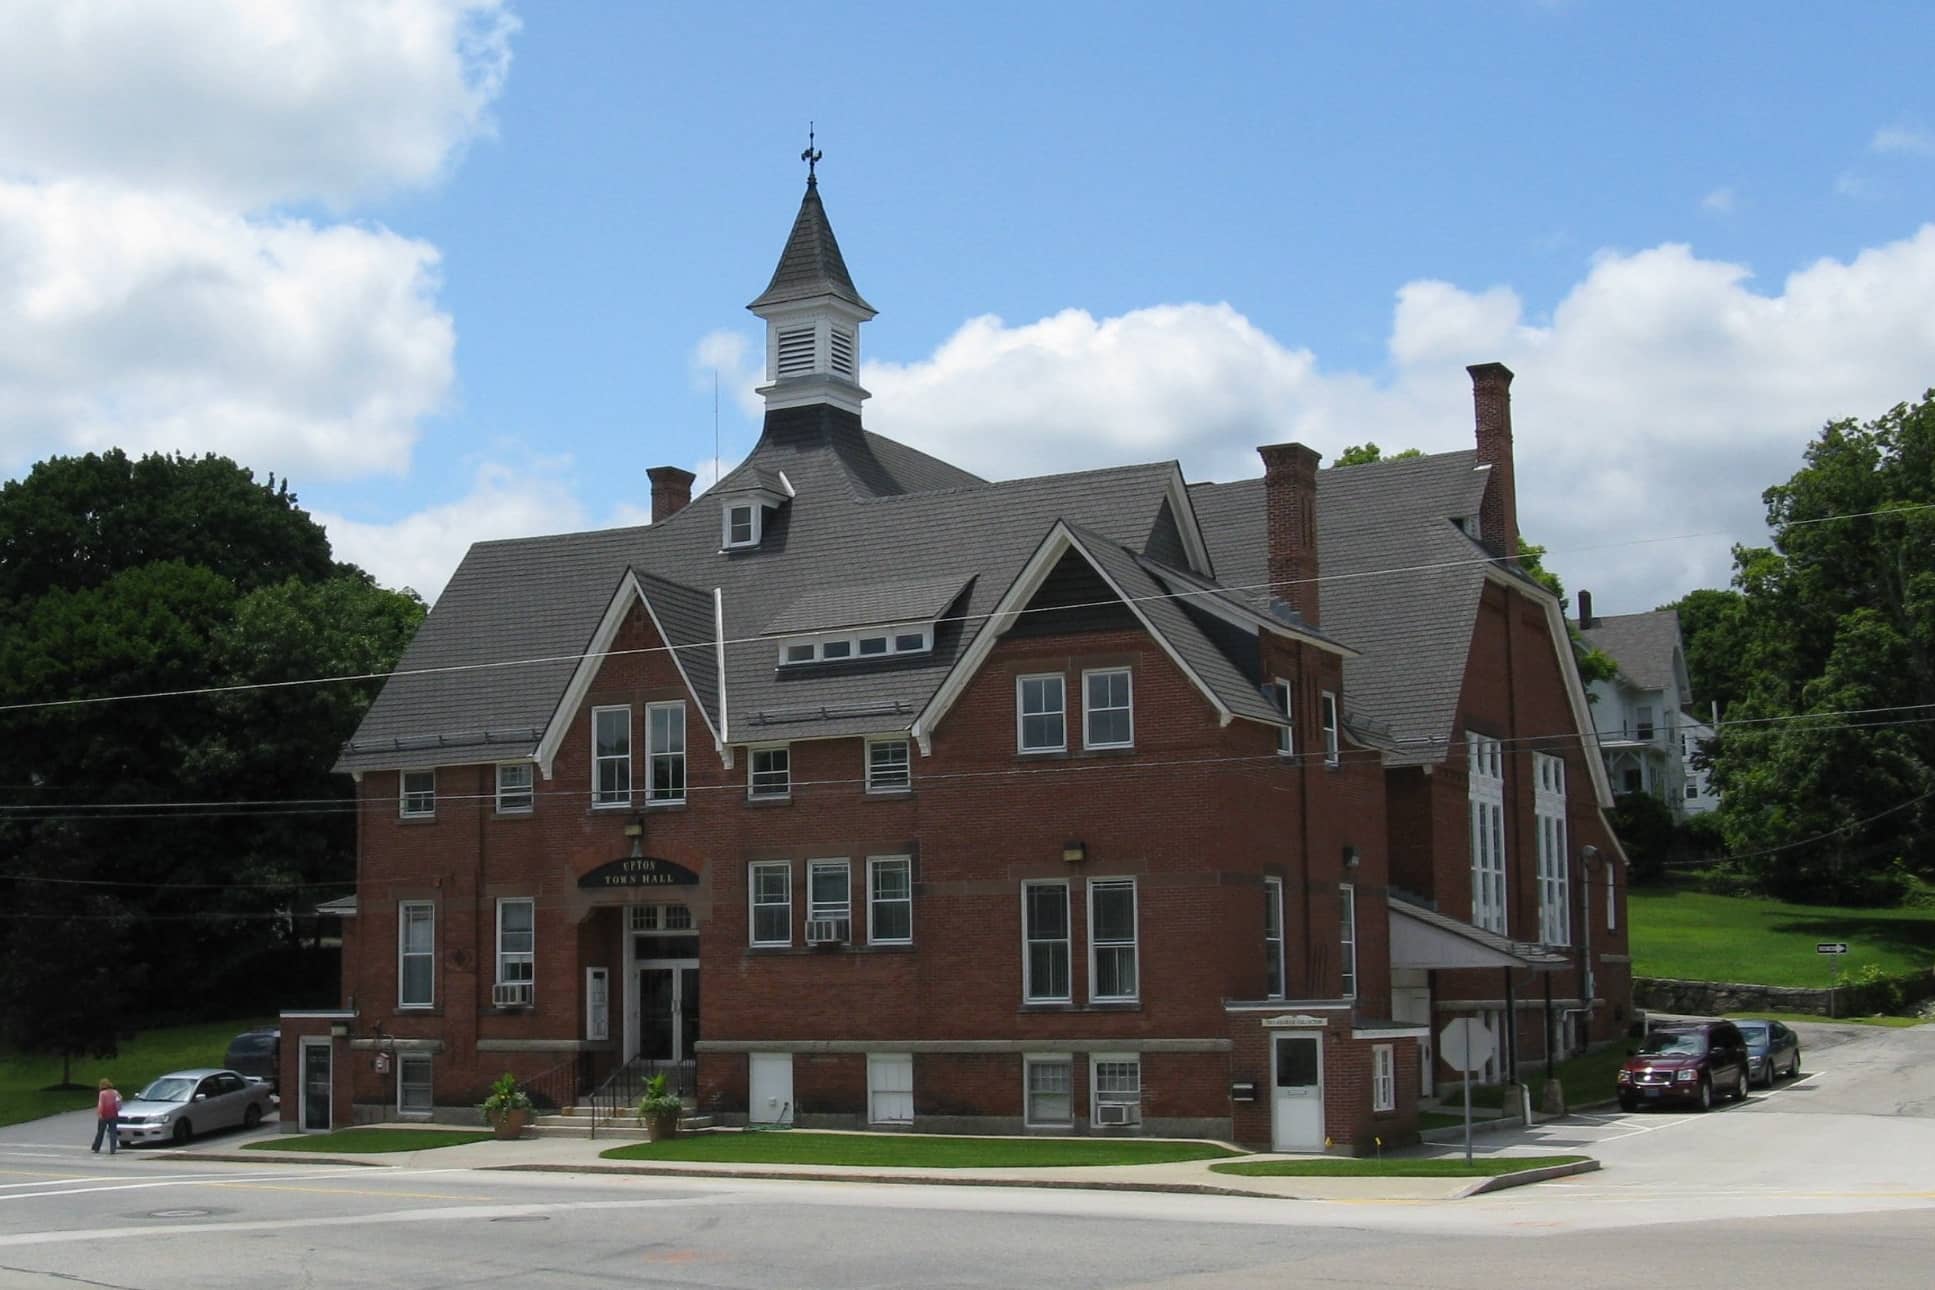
1661, 398
160, 323
1721, 201
422, 550
1853, 184
1903, 138
730, 358
246, 102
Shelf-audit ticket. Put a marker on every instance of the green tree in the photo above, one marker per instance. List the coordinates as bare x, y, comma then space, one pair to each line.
1714, 629
1363, 454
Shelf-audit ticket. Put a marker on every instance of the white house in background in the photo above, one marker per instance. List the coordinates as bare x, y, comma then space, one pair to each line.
1645, 733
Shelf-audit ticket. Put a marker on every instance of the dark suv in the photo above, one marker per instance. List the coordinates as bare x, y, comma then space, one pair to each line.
257, 1054
1693, 1061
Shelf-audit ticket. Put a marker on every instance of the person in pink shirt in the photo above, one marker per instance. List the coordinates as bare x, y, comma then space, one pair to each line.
107, 1112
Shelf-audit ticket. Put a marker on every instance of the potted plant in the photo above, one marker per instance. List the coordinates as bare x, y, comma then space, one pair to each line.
659, 1110
508, 1108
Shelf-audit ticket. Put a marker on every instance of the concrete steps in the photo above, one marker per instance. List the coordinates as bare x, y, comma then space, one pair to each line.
575, 1122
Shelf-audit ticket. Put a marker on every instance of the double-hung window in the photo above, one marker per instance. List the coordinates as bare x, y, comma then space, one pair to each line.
516, 941
1273, 935
1041, 713
740, 524
413, 1095
516, 787
1112, 942
611, 756
1286, 737
418, 799
1050, 1088
890, 1088
1485, 776
416, 954
890, 900
665, 747
889, 766
1383, 1077
829, 893
1347, 938
770, 772
1548, 813
771, 895
1045, 942
1331, 746
1115, 1092
1108, 717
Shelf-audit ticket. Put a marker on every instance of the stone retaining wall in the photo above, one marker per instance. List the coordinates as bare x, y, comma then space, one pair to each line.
1707, 998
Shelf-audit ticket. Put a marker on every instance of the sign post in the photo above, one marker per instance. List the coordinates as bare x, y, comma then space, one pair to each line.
1466, 1045
1834, 950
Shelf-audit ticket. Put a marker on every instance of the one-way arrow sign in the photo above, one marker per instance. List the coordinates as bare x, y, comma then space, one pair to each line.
1831, 947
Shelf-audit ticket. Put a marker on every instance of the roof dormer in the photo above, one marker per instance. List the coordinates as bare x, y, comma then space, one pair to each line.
813, 315
744, 501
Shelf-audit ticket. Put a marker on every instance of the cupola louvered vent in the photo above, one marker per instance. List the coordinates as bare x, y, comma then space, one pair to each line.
795, 351
842, 352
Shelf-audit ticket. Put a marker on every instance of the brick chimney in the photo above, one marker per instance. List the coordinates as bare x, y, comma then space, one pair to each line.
1290, 510
1491, 396
1585, 610
671, 491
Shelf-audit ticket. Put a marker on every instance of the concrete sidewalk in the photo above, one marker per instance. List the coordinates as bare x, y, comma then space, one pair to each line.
582, 1155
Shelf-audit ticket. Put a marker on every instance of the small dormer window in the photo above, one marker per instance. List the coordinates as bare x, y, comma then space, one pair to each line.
869, 643
742, 524
1469, 524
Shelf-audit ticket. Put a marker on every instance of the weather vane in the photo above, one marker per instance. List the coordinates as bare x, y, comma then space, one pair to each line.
811, 156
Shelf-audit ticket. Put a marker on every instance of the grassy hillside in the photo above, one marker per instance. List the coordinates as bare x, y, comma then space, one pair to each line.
1701, 937
23, 1079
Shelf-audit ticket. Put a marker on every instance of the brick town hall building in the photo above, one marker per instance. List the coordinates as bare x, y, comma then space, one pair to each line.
864, 792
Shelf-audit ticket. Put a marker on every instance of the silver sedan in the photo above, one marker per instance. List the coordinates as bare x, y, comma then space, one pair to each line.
177, 1106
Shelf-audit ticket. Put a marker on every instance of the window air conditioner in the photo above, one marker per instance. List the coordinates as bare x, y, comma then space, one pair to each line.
511, 994
1117, 1113
825, 931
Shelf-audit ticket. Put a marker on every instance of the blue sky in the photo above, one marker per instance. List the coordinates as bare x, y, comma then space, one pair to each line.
464, 270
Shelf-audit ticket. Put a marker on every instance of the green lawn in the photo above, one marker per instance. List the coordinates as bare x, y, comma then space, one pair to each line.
1435, 1167
913, 1151
370, 1141
1701, 937
1436, 1120
152, 1053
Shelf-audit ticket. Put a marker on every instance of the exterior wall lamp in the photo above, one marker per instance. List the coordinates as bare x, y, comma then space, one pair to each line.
1074, 852
1350, 857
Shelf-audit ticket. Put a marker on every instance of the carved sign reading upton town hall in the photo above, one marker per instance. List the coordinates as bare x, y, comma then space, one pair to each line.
639, 871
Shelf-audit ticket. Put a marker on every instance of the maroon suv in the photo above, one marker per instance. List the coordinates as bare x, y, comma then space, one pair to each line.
1691, 1062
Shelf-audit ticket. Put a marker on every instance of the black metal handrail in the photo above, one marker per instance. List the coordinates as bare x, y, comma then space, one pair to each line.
558, 1088
618, 1096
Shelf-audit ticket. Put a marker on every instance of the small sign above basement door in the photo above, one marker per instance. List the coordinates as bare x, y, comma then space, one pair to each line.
639, 871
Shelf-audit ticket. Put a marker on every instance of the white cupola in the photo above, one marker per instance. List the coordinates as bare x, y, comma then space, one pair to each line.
813, 315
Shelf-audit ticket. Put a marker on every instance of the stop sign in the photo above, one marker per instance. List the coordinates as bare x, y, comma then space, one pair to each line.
1466, 1044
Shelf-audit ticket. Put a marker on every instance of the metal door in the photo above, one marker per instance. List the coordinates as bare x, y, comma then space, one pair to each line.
316, 1081
668, 1011
771, 1089
1297, 1092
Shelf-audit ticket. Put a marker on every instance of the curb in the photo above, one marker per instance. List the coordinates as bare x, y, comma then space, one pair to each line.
259, 1157
925, 1180
1527, 1176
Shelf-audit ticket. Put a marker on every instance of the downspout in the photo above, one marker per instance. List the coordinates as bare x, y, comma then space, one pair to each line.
719, 658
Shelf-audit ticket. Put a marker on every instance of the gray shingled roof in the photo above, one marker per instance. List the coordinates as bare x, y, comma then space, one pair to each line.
867, 604
1400, 581
1642, 644
811, 265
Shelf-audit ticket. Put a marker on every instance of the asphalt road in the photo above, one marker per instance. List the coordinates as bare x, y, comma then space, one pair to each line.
1826, 1182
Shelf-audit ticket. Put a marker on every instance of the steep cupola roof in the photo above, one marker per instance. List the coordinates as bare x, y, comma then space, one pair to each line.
811, 266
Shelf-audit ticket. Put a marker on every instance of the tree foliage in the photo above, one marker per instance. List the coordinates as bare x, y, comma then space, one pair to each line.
131, 839
1826, 758
1363, 454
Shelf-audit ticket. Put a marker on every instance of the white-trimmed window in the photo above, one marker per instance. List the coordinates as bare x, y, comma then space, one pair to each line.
418, 796
1332, 749
416, 954
1112, 975
1045, 942
665, 752
1273, 935
1548, 814
516, 940
1383, 1077
1485, 774
1041, 713
1050, 1082
739, 524
413, 1092
1347, 937
1115, 1089
889, 766
769, 772
516, 787
1282, 694
829, 890
890, 1088
770, 891
611, 756
890, 900
1108, 710
864, 643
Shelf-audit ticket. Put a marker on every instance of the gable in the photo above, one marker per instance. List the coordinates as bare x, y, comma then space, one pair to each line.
1073, 598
